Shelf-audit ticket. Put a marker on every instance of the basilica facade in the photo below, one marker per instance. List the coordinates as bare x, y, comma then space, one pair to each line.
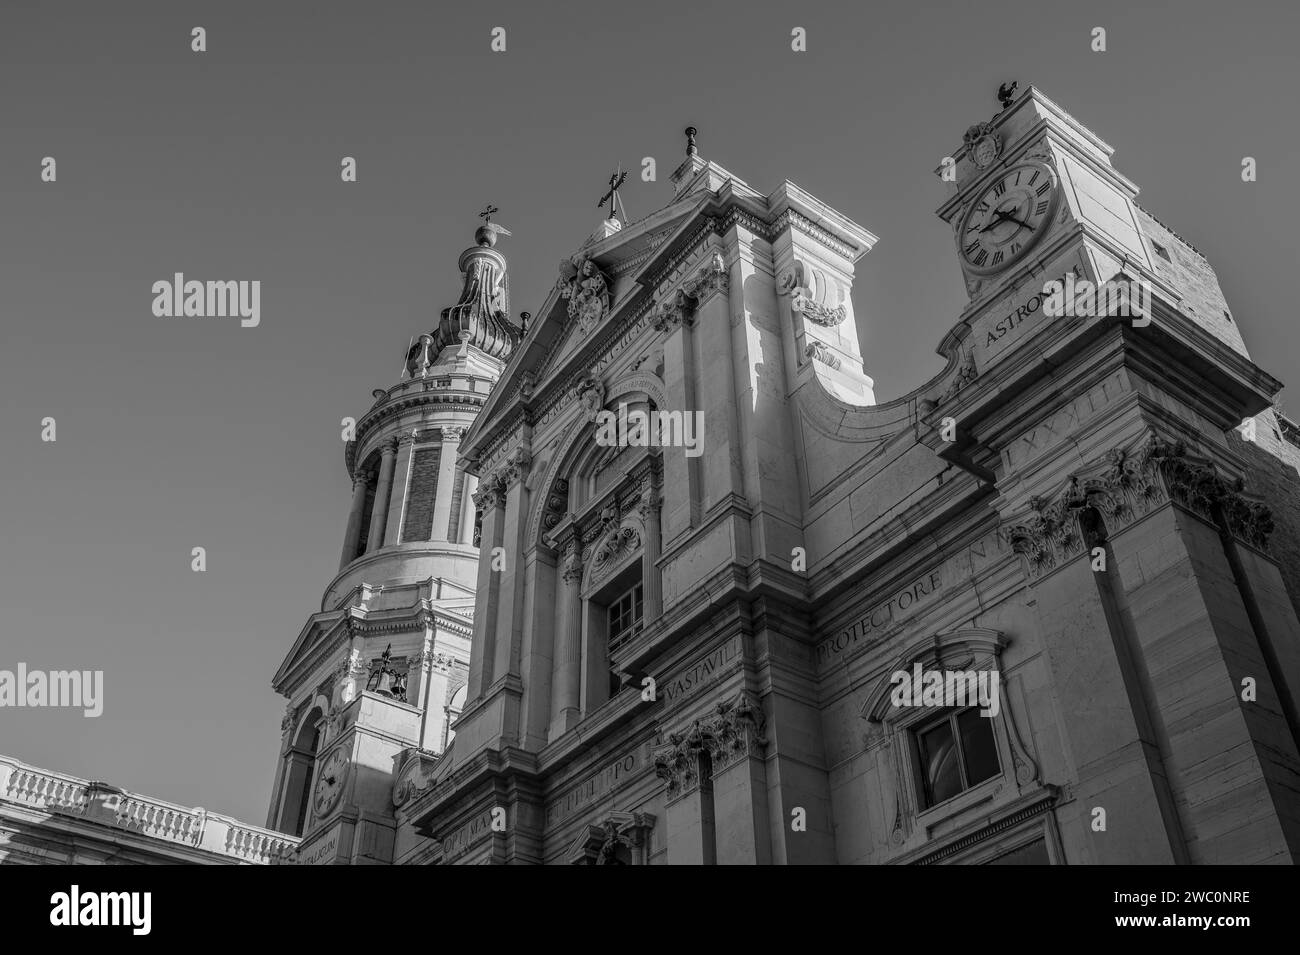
544, 646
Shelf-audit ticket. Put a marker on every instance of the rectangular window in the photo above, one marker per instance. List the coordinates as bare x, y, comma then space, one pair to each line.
1033, 854
955, 752
624, 618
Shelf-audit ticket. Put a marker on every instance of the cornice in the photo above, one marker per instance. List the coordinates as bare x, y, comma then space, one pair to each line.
378, 416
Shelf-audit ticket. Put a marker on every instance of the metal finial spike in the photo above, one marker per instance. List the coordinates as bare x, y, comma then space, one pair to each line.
690, 141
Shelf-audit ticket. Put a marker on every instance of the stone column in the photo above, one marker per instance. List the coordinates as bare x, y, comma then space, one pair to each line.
723, 455
565, 698
491, 498
435, 705
1088, 646
446, 482
681, 474
467, 509
689, 826
514, 525
401, 483
352, 538
595, 661
740, 805
651, 583
379, 516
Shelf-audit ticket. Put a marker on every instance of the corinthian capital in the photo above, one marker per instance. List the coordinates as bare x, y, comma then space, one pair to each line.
516, 467
491, 492
571, 567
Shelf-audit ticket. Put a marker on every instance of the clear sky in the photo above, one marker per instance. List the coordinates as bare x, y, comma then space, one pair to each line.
177, 433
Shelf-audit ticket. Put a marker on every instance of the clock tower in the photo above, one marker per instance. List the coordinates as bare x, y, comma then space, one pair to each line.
377, 677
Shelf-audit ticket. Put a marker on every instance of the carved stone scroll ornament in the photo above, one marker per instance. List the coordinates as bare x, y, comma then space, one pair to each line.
1123, 486
808, 289
820, 351
621, 839
733, 731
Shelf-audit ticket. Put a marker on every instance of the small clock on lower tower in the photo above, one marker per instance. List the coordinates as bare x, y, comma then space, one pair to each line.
330, 777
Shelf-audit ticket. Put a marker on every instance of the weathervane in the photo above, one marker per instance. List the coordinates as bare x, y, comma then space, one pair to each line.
1007, 93
615, 181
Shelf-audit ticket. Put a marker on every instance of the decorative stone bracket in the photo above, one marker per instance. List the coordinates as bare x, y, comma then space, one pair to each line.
734, 731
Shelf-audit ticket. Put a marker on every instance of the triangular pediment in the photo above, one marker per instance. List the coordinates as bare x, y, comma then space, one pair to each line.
316, 630
554, 335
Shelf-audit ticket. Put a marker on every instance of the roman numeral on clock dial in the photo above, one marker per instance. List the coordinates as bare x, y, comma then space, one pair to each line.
1041, 208
999, 189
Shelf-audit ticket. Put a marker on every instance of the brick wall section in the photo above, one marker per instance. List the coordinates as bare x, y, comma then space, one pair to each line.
1189, 272
423, 487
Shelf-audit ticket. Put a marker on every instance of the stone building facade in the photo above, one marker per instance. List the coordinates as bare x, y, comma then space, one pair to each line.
48, 818
663, 656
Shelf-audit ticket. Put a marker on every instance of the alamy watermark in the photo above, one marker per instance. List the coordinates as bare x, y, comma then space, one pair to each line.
646, 429
1082, 298
76, 908
195, 299
83, 689
947, 688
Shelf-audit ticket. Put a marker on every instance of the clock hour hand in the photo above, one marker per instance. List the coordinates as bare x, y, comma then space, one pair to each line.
999, 218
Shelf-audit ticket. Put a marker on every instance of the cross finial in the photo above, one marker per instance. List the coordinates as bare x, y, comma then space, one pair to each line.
615, 181
486, 214
690, 140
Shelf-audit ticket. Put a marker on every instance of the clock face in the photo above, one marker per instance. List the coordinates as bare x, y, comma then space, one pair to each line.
1006, 220
329, 782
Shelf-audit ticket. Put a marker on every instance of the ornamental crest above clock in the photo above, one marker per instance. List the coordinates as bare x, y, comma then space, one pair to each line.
982, 144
